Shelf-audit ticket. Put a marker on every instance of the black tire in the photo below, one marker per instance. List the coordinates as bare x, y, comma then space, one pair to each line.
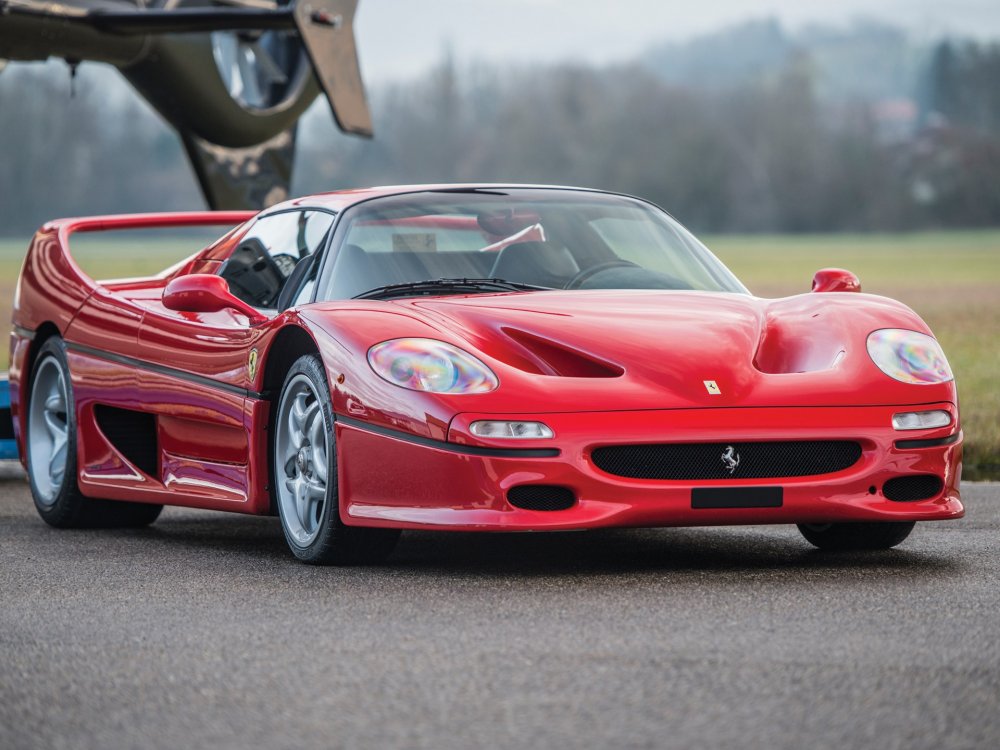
330, 541
856, 536
61, 504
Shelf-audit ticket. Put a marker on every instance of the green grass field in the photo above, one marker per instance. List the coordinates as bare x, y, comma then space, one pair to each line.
951, 278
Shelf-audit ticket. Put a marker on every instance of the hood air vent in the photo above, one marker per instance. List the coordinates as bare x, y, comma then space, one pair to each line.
551, 358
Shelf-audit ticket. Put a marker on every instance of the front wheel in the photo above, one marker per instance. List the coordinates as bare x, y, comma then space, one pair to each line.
856, 536
304, 472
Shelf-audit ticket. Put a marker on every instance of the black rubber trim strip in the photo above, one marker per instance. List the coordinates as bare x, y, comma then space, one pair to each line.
468, 450
163, 370
932, 443
24, 333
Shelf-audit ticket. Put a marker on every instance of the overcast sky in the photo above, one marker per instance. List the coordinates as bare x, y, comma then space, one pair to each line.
398, 38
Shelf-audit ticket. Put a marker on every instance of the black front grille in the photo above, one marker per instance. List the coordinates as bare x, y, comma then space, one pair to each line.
732, 461
916, 487
541, 497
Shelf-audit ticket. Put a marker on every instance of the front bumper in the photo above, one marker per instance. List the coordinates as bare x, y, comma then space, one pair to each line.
392, 479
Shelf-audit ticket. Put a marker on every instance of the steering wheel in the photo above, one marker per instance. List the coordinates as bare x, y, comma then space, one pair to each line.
285, 263
587, 273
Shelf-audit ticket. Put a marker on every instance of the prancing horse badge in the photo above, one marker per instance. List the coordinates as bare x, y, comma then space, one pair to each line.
712, 387
252, 364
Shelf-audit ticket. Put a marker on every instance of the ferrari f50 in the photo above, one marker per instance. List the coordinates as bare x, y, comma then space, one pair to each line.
473, 357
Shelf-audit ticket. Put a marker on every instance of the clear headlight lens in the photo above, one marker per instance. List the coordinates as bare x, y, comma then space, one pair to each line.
909, 357
429, 365
921, 420
511, 430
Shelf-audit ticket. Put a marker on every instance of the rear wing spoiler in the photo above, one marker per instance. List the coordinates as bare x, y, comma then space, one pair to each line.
66, 227
62, 229
51, 269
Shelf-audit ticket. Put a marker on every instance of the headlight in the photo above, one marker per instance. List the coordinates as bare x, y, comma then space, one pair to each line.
429, 365
909, 357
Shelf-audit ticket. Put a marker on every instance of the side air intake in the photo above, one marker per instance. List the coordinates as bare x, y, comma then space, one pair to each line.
133, 434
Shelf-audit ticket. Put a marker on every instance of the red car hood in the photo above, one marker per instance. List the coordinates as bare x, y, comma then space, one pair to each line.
638, 349
643, 349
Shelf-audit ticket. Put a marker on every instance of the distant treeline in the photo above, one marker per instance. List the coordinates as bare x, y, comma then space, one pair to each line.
767, 154
761, 155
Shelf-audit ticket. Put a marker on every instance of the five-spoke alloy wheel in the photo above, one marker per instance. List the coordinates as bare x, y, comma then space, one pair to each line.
302, 458
48, 429
304, 475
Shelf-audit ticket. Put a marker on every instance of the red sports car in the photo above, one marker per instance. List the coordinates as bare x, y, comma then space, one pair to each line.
487, 357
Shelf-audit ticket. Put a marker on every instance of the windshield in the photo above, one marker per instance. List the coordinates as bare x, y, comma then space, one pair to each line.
561, 239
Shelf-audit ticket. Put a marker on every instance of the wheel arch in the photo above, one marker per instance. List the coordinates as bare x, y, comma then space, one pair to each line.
289, 343
43, 333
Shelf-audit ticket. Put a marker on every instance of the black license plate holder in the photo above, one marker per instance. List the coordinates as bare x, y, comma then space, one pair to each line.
709, 498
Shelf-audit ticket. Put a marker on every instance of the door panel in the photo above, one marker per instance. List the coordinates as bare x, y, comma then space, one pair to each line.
102, 335
198, 394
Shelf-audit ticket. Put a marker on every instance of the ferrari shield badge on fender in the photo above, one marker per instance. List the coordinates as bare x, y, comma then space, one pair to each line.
712, 387
252, 364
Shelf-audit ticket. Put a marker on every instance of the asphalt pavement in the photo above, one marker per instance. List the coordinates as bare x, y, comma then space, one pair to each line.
203, 632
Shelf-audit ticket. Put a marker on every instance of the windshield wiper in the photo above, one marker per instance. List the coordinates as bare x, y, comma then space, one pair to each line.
430, 287
470, 191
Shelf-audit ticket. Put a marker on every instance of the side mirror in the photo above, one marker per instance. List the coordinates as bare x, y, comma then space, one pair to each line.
835, 280
205, 292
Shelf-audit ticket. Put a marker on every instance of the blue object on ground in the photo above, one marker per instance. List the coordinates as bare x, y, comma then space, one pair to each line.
8, 448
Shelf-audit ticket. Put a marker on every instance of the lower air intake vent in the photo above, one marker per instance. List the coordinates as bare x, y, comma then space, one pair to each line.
734, 461
909, 489
541, 497
133, 434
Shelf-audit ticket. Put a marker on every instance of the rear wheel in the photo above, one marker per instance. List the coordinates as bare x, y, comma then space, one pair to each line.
304, 470
856, 536
50, 440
